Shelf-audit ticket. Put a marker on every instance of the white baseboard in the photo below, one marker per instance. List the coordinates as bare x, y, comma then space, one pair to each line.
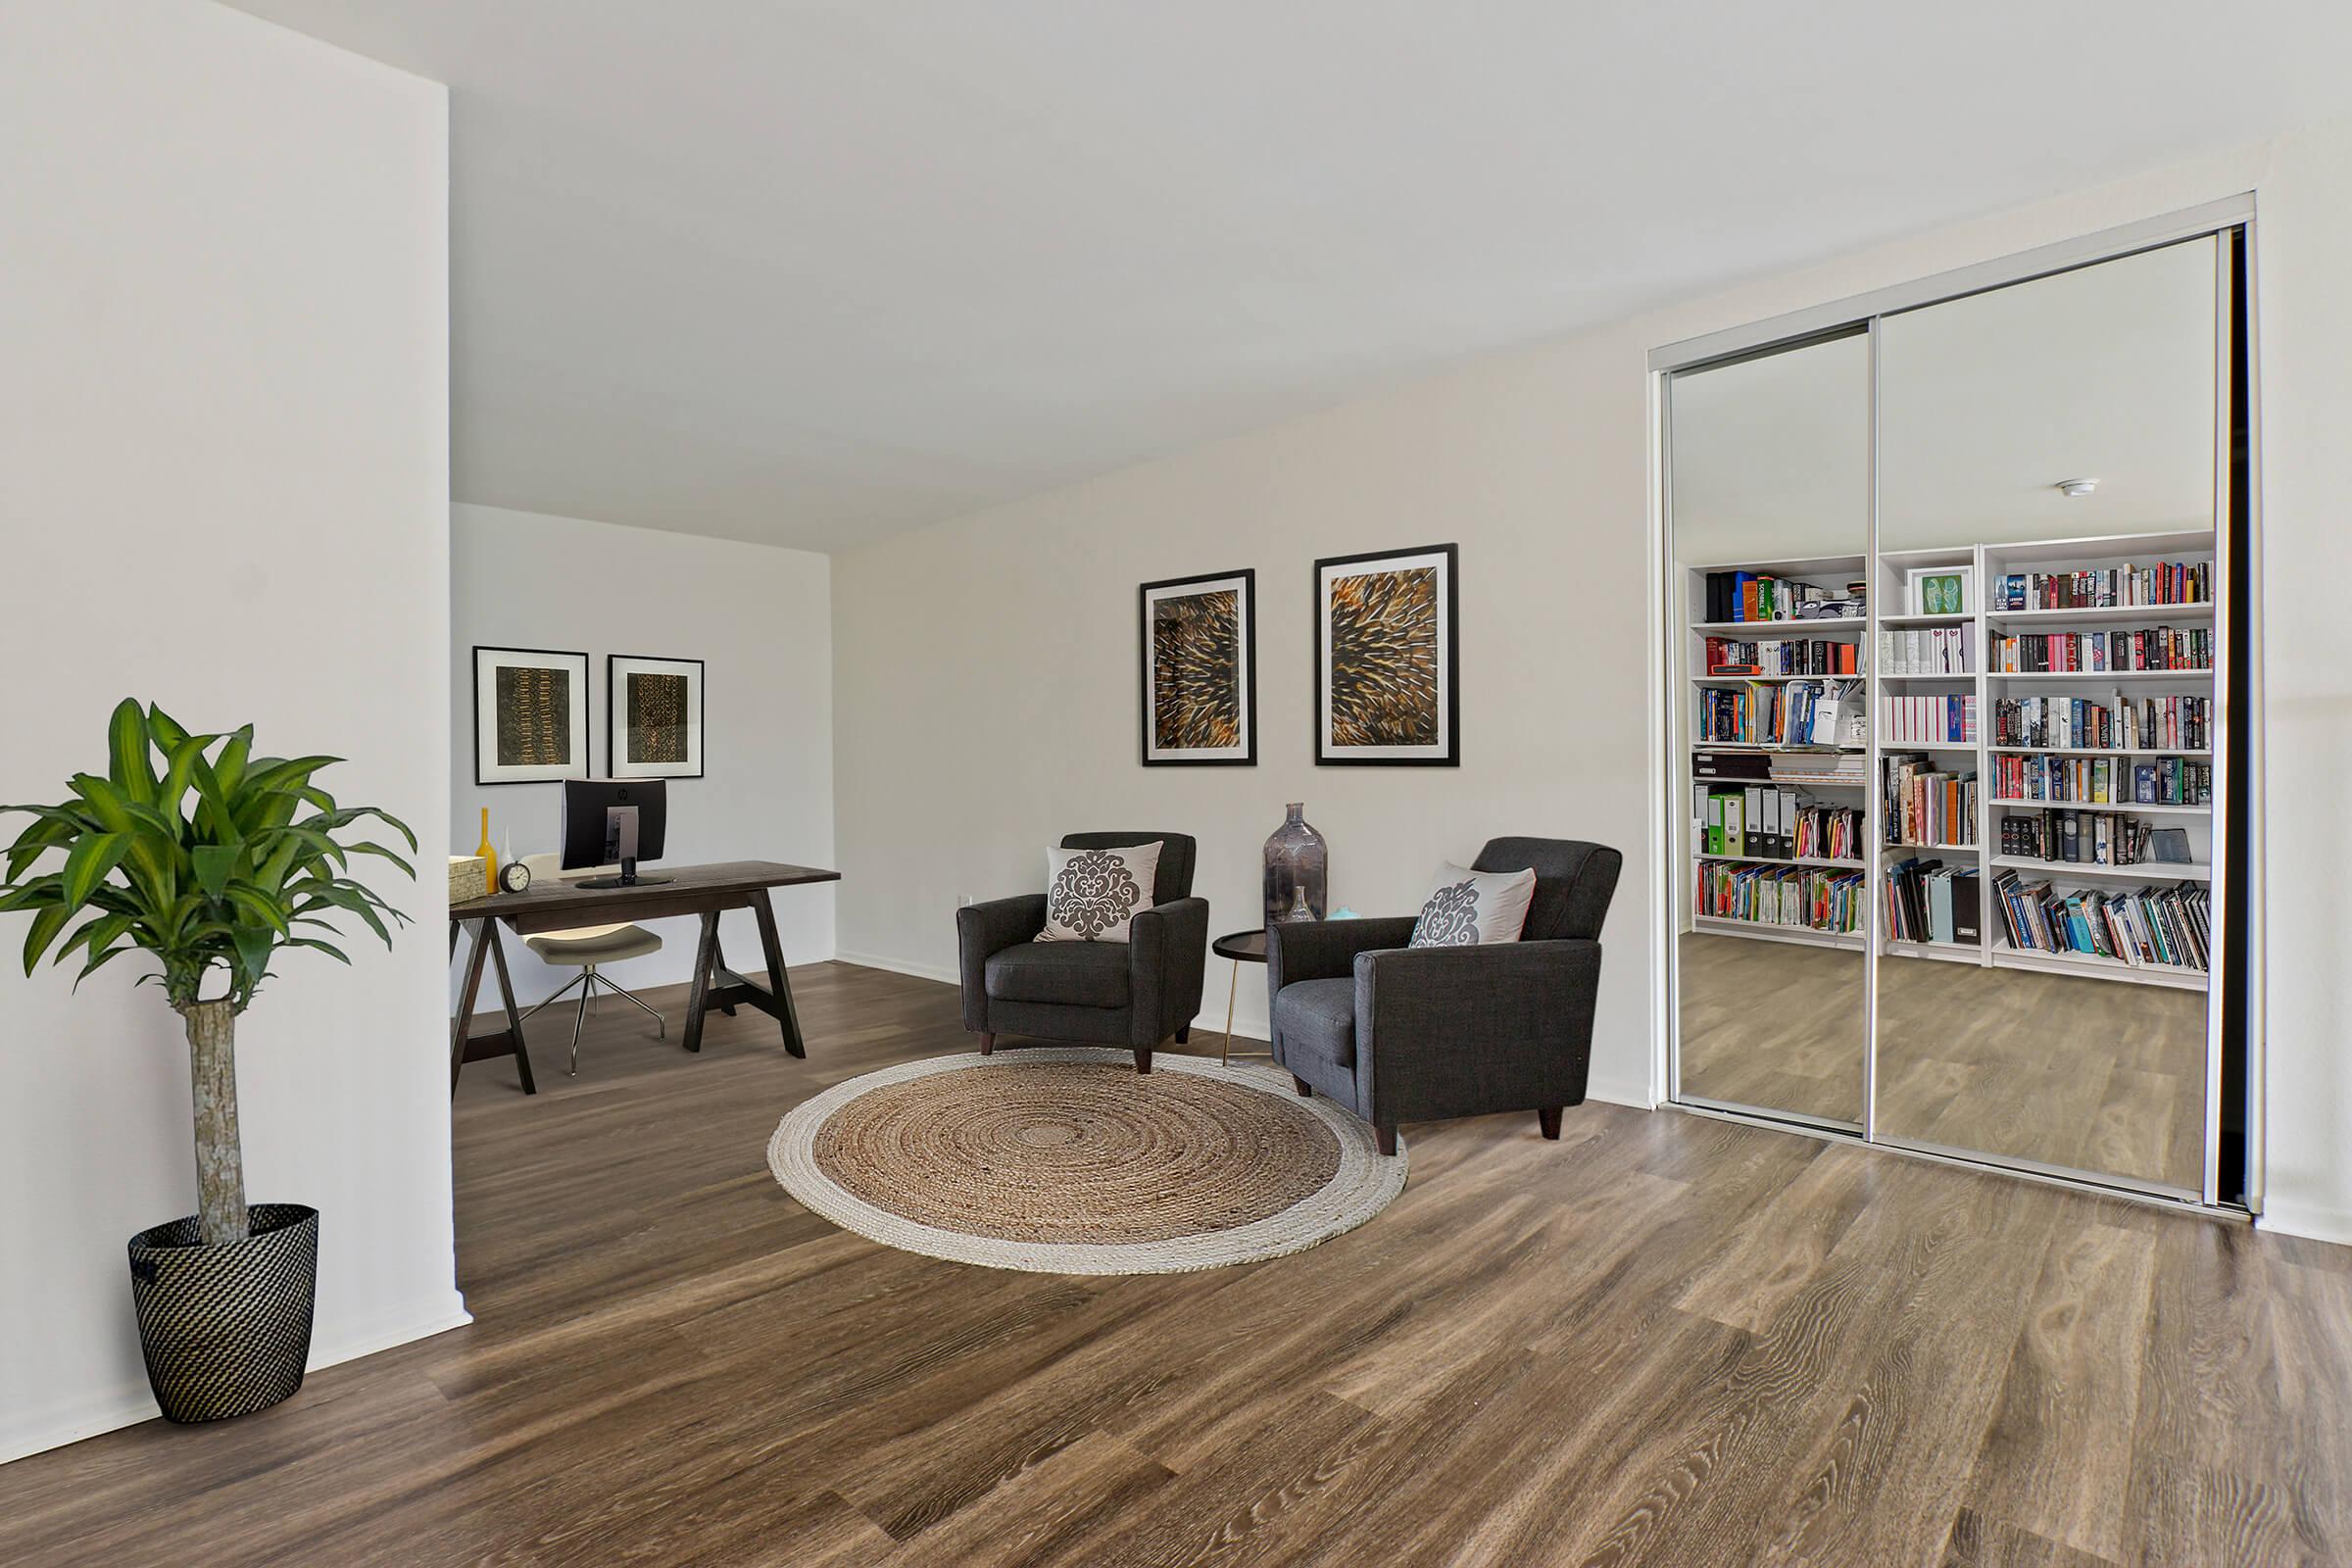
2313, 1221
920, 971
128, 1404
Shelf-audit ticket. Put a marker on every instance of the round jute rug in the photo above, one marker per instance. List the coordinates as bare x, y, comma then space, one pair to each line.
1066, 1160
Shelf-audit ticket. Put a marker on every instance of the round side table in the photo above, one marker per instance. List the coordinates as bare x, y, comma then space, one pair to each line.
1242, 947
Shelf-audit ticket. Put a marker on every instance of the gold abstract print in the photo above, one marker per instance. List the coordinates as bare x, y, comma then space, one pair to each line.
534, 716
1384, 658
1197, 672
657, 714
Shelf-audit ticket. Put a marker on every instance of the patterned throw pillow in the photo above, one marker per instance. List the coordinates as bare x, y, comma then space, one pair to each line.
1469, 907
1091, 894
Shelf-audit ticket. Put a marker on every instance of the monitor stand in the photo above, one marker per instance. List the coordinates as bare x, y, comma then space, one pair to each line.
629, 878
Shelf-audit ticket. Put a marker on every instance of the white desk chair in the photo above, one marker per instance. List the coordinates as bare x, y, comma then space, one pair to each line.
588, 947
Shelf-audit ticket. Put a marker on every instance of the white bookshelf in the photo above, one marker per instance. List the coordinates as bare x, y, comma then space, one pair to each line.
1886, 576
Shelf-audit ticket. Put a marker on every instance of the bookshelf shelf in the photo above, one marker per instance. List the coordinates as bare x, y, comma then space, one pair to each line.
1770, 859
2098, 751
2149, 614
1923, 622
1947, 952
2099, 678
1776, 630
1950, 848
2091, 964
2120, 807
1759, 681
1803, 933
2144, 871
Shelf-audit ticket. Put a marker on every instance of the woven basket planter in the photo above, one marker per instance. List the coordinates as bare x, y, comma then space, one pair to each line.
227, 1330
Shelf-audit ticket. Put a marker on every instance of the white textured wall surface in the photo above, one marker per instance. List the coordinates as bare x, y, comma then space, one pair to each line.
223, 487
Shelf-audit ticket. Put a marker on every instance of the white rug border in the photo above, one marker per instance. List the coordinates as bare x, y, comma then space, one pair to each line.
1365, 1183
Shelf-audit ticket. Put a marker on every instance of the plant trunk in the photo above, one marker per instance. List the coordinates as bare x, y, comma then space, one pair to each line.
219, 1160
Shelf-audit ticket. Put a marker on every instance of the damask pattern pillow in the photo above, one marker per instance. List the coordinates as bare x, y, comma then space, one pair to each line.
1470, 907
1090, 895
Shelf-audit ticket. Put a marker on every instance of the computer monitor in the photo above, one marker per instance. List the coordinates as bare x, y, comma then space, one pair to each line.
611, 821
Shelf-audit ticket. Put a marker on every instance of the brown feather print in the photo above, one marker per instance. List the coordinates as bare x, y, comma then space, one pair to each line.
1197, 672
1384, 658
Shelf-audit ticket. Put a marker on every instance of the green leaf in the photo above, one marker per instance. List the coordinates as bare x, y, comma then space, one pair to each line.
323, 947
378, 848
88, 862
168, 733
214, 866
229, 765
127, 742
254, 945
258, 907
213, 809
45, 926
97, 958
41, 890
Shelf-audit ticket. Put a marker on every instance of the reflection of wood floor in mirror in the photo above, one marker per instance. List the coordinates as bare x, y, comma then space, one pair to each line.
2086, 1074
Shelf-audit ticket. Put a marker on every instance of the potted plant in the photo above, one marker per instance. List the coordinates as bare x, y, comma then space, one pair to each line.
212, 863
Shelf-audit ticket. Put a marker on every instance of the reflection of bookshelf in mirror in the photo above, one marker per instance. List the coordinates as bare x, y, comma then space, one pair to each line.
2037, 779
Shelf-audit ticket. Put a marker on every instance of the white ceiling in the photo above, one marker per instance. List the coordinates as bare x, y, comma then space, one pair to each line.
810, 272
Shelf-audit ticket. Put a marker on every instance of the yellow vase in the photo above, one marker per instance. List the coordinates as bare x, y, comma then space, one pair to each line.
489, 855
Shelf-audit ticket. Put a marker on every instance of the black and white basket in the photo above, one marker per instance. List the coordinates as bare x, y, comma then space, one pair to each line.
227, 1330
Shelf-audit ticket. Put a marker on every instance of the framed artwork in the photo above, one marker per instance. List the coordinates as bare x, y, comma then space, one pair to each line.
1387, 687
530, 715
1941, 590
653, 717
1199, 654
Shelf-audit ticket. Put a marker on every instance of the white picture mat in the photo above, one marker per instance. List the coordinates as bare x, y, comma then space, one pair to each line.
1442, 563
487, 662
618, 669
1247, 611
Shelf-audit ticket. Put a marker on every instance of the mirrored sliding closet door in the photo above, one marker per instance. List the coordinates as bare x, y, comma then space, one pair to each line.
2043, 705
1769, 494
1949, 673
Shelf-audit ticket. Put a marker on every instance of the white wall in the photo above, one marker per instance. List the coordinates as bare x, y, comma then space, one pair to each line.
986, 685
759, 617
224, 477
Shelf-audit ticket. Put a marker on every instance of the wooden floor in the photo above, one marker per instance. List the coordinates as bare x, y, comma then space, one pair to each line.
1663, 1340
2091, 1076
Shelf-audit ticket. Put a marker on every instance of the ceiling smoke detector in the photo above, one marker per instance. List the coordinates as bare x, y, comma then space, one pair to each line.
2077, 488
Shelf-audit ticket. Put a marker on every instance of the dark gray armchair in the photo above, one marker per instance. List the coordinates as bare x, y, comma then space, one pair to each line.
1135, 993
1400, 1033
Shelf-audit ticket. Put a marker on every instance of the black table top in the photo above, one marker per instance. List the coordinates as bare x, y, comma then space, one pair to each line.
1247, 947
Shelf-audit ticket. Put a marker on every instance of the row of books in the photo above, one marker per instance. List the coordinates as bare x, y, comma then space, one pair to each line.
1761, 821
2146, 723
2091, 652
2149, 928
1928, 901
1927, 806
1950, 720
2068, 837
1801, 713
2103, 781
1760, 595
1808, 897
1925, 651
1819, 655
2173, 584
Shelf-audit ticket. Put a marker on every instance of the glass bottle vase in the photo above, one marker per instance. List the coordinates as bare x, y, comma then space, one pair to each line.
1296, 870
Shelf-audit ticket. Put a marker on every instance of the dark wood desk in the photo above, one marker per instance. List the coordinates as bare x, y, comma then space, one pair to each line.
706, 891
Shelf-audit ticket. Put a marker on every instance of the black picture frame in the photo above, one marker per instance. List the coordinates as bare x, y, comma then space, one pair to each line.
580, 765
614, 761
1447, 751
1246, 753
